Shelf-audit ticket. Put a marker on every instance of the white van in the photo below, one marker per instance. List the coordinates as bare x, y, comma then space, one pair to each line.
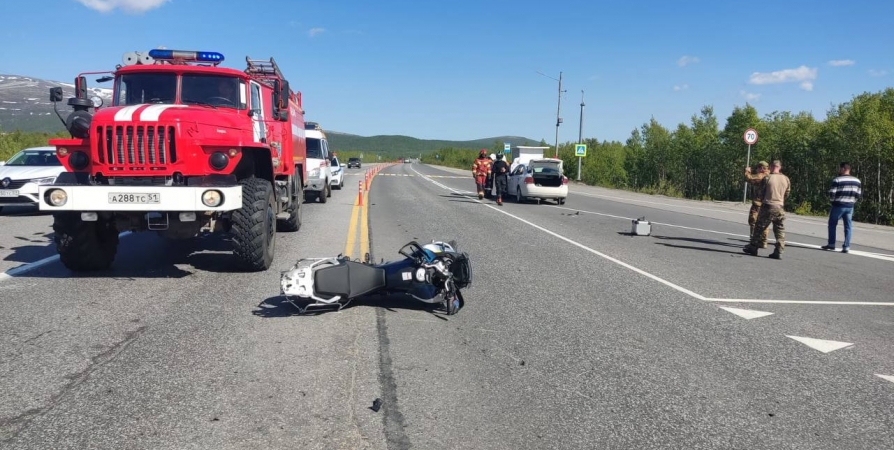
318, 171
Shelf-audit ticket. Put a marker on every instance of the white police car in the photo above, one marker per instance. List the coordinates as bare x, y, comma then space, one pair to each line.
24, 172
337, 170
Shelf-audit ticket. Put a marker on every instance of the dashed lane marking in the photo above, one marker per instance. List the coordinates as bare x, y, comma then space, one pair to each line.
747, 314
822, 345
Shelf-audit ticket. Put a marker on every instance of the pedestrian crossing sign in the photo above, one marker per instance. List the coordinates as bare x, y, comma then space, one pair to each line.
580, 150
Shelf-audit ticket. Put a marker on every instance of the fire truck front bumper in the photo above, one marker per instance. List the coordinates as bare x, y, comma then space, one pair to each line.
140, 198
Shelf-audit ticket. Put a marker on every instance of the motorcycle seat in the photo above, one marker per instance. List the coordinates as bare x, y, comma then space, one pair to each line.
349, 279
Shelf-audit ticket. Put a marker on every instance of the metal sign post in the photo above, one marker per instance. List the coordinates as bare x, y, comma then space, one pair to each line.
580, 150
750, 137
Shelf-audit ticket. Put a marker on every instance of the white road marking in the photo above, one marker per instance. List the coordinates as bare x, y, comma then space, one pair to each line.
821, 344
746, 313
880, 256
886, 377
628, 200
798, 302
661, 280
579, 245
16, 271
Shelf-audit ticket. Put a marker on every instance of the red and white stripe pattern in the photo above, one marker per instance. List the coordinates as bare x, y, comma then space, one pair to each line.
142, 113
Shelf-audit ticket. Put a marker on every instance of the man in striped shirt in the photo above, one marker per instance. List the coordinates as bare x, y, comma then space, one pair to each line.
844, 192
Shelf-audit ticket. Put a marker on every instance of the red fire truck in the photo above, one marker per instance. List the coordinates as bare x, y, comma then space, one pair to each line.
186, 147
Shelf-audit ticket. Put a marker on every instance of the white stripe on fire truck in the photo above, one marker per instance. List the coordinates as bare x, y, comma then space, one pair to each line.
126, 113
152, 113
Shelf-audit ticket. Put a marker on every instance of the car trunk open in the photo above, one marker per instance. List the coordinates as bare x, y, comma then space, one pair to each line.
547, 173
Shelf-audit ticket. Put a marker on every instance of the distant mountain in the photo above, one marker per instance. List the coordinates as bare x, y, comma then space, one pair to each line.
25, 103
25, 106
410, 146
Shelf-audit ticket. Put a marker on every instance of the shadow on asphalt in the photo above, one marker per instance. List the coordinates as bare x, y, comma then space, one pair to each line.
22, 211
699, 241
211, 253
28, 253
278, 306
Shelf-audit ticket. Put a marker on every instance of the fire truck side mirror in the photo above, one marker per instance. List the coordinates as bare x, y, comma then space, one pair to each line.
281, 100
55, 94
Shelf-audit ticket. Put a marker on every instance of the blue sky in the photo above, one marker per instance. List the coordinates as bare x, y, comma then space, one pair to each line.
468, 69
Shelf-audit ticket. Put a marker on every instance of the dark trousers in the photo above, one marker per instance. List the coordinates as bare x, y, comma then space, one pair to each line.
502, 184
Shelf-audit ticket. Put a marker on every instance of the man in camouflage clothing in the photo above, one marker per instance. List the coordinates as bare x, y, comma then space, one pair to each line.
757, 194
777, 188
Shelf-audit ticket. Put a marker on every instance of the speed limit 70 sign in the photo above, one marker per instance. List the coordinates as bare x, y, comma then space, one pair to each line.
750, 136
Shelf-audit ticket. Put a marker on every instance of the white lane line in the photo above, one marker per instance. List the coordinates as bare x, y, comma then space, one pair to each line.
821, 344
628, 200
679, 288
885, 377
873, 255
581, 246
16, 271
798, 302
746, 313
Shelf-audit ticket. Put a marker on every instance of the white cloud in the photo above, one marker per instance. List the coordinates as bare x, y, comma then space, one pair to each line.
842, 62
803, 75
686, 60
315, 31
750, 96
681, 87
131, 6
877, 73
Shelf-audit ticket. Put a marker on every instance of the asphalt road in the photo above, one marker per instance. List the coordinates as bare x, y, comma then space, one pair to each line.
575, 335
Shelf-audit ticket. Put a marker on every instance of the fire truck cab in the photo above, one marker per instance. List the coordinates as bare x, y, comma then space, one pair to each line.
185, 147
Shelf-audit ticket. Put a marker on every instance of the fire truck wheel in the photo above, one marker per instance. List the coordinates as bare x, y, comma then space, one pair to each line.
254, 225
84, 246
293, 223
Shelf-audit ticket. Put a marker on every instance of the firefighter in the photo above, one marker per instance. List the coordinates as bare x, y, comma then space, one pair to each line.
480, 171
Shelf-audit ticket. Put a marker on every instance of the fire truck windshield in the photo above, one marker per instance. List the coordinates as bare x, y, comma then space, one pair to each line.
195, 89
137, 88
216, 90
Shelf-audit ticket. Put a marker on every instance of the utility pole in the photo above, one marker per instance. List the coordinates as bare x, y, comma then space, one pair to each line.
558, 118
580, 132
558, 108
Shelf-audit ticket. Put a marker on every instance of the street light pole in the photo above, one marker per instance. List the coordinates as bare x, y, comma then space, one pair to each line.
580, 131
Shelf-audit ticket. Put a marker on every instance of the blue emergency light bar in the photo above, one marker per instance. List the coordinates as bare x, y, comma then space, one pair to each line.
182, 55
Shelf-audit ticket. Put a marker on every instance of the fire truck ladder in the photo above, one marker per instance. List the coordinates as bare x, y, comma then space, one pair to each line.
262, 68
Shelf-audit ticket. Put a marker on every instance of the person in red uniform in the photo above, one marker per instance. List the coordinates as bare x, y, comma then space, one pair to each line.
480, 170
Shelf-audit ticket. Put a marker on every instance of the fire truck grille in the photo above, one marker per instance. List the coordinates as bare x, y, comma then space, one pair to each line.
136, 147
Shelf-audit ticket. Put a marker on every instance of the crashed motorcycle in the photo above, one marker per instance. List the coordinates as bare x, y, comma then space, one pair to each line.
432, 273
